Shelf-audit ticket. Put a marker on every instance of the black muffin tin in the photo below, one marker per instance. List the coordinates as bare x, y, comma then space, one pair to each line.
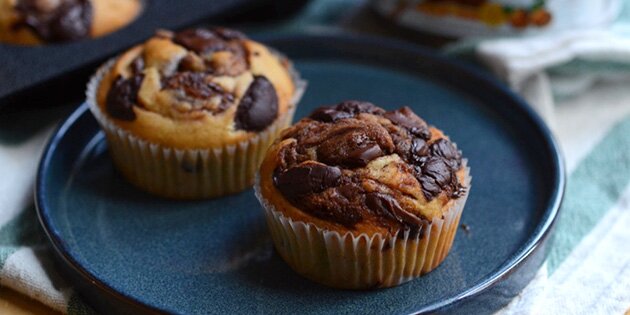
41, 75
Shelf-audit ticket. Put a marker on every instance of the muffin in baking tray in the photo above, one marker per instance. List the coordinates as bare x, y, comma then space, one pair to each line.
32, 22
358, 197
190, 114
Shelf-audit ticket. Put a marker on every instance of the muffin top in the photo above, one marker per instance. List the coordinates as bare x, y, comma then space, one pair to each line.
357, 167
51, 21
197, 88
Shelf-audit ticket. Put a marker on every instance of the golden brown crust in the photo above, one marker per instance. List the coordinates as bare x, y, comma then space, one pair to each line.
170, 116
388, 174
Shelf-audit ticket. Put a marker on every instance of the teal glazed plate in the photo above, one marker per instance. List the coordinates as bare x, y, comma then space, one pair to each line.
130, 252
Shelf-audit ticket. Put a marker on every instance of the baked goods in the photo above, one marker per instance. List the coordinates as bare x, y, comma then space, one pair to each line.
359, 197
32, 22
190, 114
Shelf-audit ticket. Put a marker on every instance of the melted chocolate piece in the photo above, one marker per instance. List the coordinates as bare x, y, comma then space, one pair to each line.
122, 96
258, 107
406, 118
445, 149
419, 151
306, 178
387, 206
194, 84
354, 144
200, 40
70, 20
340, 204
437, 176
345, 109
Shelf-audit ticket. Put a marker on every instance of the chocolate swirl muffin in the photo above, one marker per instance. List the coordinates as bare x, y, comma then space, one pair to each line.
209, 101
354, 178
32, 22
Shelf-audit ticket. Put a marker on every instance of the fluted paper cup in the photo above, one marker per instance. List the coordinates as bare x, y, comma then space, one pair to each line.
362, 261
187, 173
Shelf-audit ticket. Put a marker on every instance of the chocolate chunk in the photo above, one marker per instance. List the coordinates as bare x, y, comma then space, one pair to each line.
445, 149
306, 178
430, 188
387, 206
345, 109
363, 155
419, 151
437, 169
437, 176
67, 21
329, 114
200, 40
122, 96
349, 152
195, 85
258, 107
347, 215
406, 118
353, 143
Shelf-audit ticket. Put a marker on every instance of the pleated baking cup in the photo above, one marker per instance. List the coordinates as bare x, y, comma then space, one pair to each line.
362, 261
187, 173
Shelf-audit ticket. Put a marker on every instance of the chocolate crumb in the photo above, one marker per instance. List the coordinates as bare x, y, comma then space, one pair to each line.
465, 228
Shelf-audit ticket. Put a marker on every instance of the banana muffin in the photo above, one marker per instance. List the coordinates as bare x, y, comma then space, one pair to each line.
190, 114
358, 197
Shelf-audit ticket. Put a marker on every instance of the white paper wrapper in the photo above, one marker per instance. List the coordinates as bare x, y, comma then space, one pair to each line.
362, 262
187, 173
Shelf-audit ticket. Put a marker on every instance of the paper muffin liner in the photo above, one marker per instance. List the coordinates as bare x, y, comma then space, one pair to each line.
362, 261
187, 173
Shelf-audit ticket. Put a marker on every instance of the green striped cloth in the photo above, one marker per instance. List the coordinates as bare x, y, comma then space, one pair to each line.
588, 270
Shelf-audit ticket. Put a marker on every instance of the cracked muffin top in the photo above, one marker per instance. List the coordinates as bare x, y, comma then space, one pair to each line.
356, 167
197, 88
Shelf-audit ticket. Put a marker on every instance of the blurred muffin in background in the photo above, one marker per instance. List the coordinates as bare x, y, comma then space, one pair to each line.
190, 115
35, 22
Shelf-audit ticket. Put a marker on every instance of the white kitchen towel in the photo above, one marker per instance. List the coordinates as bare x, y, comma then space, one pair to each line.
577, 80
559, 64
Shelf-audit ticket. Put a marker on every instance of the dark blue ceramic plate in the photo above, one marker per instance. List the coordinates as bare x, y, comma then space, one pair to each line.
129, 251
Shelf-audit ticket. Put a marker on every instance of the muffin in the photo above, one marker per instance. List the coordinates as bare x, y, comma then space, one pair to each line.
357, 197
33, 22
190, 114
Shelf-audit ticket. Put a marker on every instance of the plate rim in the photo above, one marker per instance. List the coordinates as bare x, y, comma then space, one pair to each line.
541, 233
